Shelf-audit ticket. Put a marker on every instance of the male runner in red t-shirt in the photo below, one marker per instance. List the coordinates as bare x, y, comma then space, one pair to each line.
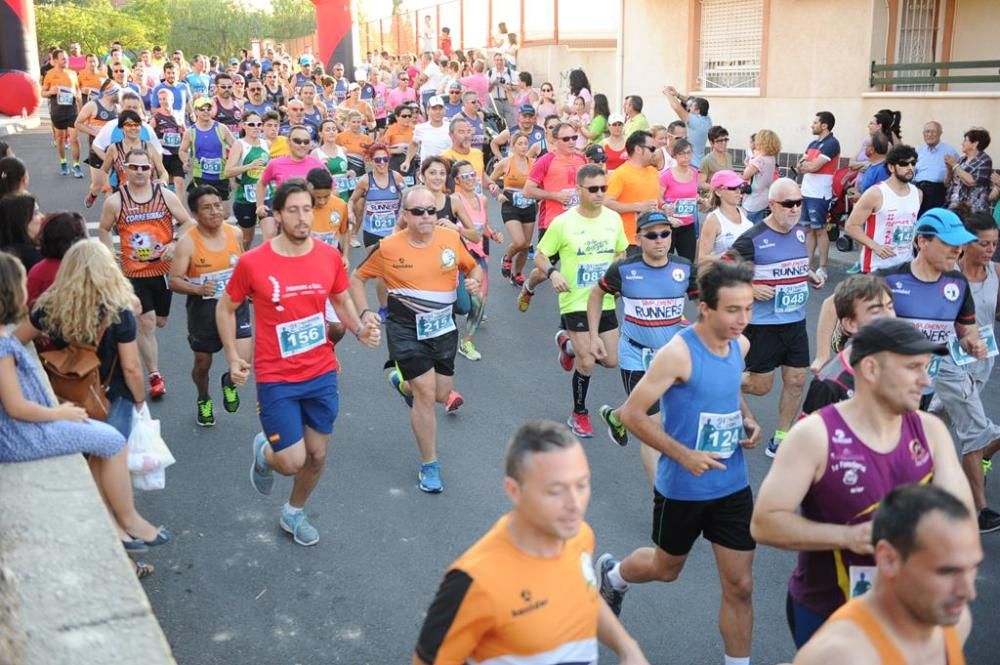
290, 279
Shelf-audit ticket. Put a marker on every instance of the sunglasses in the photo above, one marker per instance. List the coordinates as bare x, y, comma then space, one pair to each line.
466, 176
593, 189
204, 108
381, 160
255, 89
909, 162
422, 212
406, 115
546, 89
131, 125
139, 167
790, 203
253, 124
301, 141
733, 189
569, 139
656, 235
225, 87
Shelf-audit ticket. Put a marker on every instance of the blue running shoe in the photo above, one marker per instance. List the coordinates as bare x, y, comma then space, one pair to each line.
261, 474
296, 524
612, 596
772, 447
64, 169
430, 478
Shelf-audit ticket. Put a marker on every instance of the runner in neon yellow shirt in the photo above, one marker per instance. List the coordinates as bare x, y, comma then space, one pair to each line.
584, 240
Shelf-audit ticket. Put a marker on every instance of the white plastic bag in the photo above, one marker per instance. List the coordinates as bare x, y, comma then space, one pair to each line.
148, 455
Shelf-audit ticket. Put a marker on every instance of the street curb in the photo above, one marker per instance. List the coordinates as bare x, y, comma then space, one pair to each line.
9, 126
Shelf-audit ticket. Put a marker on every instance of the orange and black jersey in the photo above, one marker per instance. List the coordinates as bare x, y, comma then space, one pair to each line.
499, 605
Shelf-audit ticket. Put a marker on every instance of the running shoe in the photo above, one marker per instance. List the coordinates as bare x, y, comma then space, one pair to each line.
430, 478
612, 596
854, 269
261, 474
565, 353
230, 395
77, 173
89, 201
989, 520
987, 465
524, 299
468, 349
297, 524
383, 313
505, 266
206, 412
454, 401
64, 169
772, 447
580, 424
395, 378
355, 242
157, 386
616, 431
517, 280
531, 252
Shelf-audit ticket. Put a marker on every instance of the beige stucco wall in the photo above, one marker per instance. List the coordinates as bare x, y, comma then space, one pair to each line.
802, 79
553, 63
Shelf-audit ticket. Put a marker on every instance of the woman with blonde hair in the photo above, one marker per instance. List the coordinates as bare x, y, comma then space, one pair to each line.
91, 303
760, 172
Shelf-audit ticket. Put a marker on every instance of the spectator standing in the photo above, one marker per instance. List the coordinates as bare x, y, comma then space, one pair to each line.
818, 164
970, 175
932, 172
694, 112
760, 172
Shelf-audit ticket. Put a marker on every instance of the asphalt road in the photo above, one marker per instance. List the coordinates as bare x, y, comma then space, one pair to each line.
233, 588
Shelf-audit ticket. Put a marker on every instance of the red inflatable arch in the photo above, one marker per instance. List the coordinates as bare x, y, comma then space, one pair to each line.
19, 91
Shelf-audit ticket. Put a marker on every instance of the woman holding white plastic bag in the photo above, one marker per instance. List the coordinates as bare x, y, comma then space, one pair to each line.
90, 294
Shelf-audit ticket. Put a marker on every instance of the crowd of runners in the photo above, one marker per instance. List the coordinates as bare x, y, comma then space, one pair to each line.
242, 184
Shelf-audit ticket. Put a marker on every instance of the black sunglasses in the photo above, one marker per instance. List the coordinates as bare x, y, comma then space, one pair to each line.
909, 162
406, 115
790, 203
593, 189
656, 235
569, 139
421, 212
301, 141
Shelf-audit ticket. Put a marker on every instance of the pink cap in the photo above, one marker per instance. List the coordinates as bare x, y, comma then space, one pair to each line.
726, 179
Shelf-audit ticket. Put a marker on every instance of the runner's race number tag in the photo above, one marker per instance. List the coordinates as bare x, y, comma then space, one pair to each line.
301, 335
221, 279
329, 238
519, 200
574, 197
171, 139
382, 222
64, 96
720, 433
790, 297
210, 166
250, 193
345, 182
685, 207
588, 274
962, 357
435, 323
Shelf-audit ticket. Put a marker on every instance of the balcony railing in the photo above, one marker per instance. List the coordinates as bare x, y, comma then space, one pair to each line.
932, 73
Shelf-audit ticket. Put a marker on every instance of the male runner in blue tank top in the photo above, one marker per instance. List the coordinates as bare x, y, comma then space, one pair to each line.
653, 286
702, 485
838, 464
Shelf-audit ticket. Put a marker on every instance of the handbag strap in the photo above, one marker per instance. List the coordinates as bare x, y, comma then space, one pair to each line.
114, 361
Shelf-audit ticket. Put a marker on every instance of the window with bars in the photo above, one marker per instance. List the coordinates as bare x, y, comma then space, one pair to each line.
917, 37
731, 43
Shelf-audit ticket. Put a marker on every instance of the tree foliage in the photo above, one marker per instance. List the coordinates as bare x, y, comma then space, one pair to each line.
212, 27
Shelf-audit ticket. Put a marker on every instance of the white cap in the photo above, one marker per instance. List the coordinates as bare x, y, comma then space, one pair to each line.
435, 101
616, 117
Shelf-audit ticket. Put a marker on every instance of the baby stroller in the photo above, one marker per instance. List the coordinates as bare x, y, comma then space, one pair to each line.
844, 181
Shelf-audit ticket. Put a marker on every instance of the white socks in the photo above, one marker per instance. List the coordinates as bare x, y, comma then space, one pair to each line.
615, 577
732, 660
291, 510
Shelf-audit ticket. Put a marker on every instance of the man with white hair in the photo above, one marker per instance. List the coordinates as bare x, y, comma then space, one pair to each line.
778, 336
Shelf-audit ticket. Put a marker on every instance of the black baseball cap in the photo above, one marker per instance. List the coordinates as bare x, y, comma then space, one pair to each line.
895, 335
651, 218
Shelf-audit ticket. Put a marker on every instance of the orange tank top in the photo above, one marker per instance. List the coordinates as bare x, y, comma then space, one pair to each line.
515, 179
144, 230
858, 612
213, 265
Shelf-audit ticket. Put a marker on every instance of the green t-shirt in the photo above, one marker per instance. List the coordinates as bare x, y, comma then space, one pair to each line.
598, 126
635, 123
246, 192
586, 247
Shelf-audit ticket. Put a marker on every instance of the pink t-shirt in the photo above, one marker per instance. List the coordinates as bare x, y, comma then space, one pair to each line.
379, 102
283, 168
397, 97
480, 84
684, 195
